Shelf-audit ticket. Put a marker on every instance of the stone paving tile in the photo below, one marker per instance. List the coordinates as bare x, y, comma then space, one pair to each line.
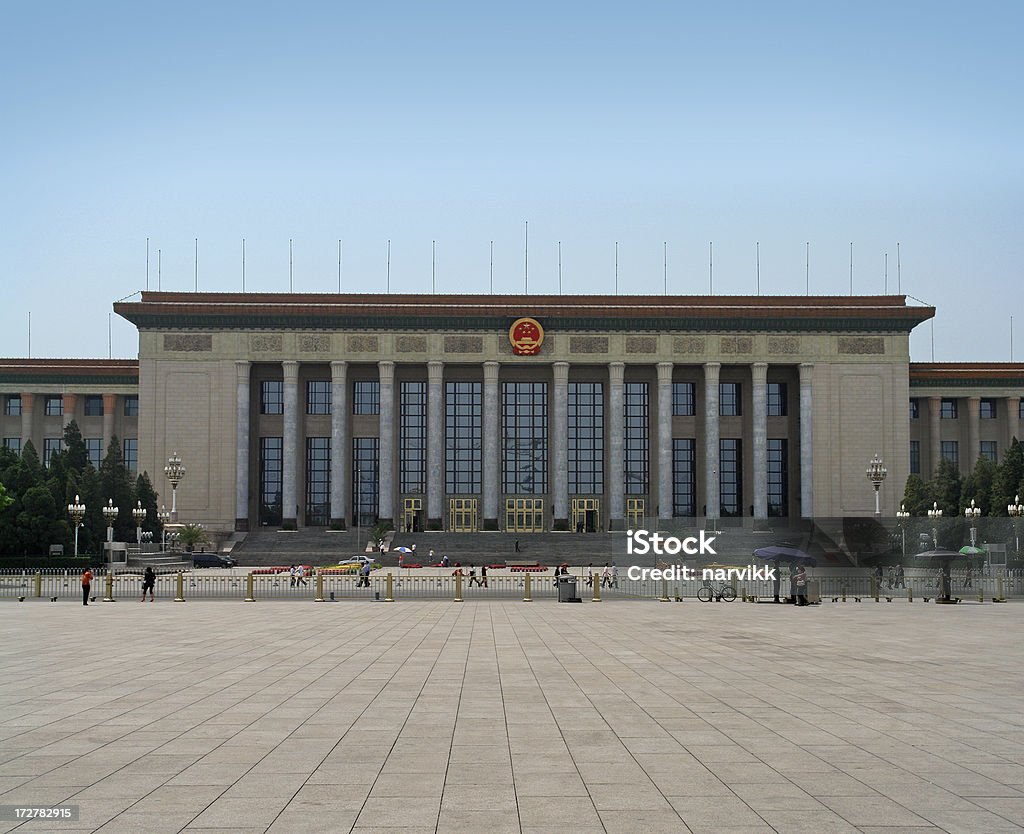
501, 716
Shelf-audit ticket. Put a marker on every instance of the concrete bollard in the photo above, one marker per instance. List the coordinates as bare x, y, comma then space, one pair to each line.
248, 588
319, 586
110, 587
527, 588
180, 596
910, 593
743, 594
981, 591
844, 593
664, 591
458, 588
596, 581
390, 588
999, 590
39, 583
874, 588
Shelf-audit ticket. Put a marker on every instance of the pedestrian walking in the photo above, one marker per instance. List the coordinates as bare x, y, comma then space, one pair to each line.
472, 576
291, 576
590, 575
969, 578
517, 545
364, 575
300, 575
901, 579
615, 575
483, 575
606, 576
800, 578
86, 585
148, 583
891, 578
444, 561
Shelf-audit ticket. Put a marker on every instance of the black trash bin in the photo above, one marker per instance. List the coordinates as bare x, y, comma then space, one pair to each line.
567, 589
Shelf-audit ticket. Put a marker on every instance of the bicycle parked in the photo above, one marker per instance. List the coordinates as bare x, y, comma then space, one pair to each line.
709, 591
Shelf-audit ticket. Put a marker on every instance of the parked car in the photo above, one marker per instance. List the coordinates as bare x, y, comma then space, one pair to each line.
211, 560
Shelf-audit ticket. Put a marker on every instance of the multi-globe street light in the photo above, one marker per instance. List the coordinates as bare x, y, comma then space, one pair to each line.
902, 516
935, 514
76, 509
163, 515
1016, 510
139, 514
110, 515
876, 473
972, 513
175, 473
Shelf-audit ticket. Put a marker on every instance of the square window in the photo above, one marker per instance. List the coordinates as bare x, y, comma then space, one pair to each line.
272, 396
12, 405
318, 396
948, 409
777, 406
366, 397
131, 406
988, 409
13, 444
53, 406
93, 406
990, 450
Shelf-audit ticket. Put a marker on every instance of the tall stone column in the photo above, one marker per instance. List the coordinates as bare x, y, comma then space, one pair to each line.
386, 441
70, 405
616, 480
759, 373
973, 434
492, 444
241, 444
109, 410
935, 431
290, 455
712, 489
28, 403
1012, 420
560, 448
339, 443
806, 441
665, 497
435, 443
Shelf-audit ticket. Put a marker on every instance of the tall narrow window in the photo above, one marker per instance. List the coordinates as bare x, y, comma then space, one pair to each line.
586, 438
777, 405
729, 404
989, 450
51, 445
131, 406
463, 437
636, 451
915, 408
94, 448
318, 480
915, 457
683, 399
365, 481
412, 437
318, 396
778, 477
987, 409
366, 397
684, 476
270, 479
950, 450
524, 409
131, 454
272, 396
730, 467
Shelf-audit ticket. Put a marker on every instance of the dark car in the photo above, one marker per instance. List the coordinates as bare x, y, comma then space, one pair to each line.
212, 560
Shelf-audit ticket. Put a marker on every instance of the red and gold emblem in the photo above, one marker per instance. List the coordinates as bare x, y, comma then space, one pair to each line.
526, 336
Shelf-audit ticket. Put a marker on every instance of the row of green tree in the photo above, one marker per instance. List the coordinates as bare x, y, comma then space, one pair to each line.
36, 511
992, 486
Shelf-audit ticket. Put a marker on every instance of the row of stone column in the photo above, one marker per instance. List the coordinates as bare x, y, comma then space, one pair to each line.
1012, 405
28, 407
491, 458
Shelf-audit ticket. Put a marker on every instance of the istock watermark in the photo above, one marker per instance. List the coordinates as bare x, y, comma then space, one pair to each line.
642, 542
684, 573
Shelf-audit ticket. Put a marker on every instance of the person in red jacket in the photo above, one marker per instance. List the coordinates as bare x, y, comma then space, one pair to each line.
86, 585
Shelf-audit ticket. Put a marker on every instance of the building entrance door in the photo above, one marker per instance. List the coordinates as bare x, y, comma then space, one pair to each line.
636, 511
524, 515
586, 515
412, 515
462, 515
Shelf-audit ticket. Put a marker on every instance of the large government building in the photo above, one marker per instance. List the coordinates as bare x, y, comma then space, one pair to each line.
520, 413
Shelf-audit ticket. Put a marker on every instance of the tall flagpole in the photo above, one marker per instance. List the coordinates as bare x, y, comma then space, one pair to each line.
899, 276
29, 334
526, 259
851, 267
291, 282
243, 264
559, 267
616, 267
711, 268
757, 259
147, 264
197, 264
885, 273
433, 267
664, 265
388, 285
339, 265
492, 267
807, 266
159, 281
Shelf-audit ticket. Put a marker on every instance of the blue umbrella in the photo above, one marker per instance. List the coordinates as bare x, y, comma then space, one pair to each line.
785, 553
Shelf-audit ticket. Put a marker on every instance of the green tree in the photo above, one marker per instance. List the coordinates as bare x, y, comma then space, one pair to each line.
76, 455
1008, 479
916, 498
37, 521
945, 488
116, 484
978, 486
145, 494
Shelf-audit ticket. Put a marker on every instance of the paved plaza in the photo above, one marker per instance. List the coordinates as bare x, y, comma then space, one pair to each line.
428, 716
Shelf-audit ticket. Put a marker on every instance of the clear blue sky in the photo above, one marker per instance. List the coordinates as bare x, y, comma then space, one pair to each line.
639, 123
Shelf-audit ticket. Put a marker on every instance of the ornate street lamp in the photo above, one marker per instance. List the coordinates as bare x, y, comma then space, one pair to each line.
876, 474
972, 513
175, 473
139, 514
901, 518
110, 514
935, 514
76, 509
163, 515
1016, 510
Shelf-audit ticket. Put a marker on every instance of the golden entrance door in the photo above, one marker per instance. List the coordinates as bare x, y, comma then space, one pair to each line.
412, 509
586, 515
462, 515
524, 515
635, 511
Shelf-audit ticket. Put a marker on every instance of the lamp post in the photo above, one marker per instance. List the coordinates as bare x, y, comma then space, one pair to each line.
972, 513
174, 472
139, 514
76, 509
901, 517
163, 516
1016, 510
876, 473
935, 514
110, 514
